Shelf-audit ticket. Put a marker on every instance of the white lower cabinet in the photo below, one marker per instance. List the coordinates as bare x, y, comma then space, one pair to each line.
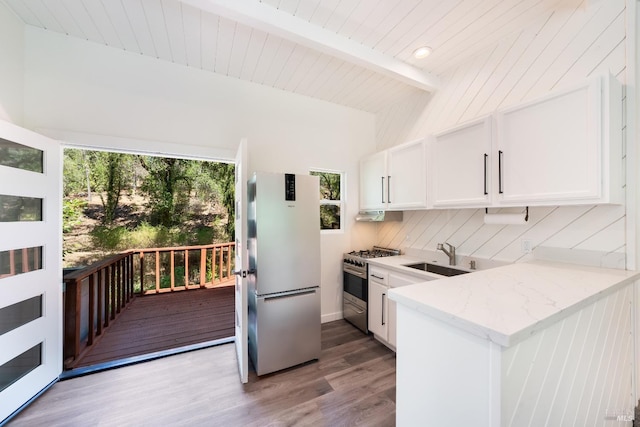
378, 306
382, 311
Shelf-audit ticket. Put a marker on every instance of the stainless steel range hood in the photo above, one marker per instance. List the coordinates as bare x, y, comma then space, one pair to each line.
379, 216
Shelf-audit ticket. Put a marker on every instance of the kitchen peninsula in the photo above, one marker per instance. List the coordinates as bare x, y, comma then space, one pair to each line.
536, 343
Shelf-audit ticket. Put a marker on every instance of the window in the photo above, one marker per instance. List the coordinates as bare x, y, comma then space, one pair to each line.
331, 203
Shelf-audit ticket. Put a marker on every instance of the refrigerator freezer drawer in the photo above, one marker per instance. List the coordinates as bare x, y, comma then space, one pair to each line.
286, 330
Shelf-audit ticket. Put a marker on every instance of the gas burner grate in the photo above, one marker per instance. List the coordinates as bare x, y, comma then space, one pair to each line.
376, 252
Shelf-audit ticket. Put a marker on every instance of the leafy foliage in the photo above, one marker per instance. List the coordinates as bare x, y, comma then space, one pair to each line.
71, 213
329, 185
183, 199
329, 192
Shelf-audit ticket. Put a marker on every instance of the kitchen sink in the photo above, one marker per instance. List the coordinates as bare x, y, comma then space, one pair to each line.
436, 268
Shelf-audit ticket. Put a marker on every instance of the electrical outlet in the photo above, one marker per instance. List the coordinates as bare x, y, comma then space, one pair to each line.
525, 245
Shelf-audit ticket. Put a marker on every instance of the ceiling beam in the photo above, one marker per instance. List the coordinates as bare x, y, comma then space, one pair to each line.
287, 26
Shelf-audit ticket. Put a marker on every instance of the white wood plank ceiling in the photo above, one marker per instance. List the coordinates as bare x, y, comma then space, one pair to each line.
356, 53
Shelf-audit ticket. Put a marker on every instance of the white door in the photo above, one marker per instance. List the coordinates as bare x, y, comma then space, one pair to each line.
30, 266
241, 263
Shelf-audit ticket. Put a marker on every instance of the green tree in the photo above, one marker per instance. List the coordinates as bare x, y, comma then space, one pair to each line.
223, 174
74, 177
111, 173
168, 185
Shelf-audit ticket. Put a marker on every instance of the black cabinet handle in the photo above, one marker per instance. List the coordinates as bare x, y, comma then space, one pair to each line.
388, 189
485, 173
499, 171
382, 188
383, 309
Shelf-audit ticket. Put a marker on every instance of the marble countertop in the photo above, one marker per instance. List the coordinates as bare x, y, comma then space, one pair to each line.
509, 303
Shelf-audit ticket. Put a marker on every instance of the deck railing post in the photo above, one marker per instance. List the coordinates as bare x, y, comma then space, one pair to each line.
220, 264
100, 303
117, 287
113, 292
91, 309
131, 275
127, 265
172, 262
186, 268
121, 282
141, 273
157, 271
72, 299
203, 267
107, 303
228, 261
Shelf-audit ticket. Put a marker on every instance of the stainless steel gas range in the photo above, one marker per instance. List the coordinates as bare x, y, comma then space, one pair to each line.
355, 269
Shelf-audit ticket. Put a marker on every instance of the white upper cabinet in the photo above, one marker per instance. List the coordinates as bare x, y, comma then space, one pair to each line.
407, 176
395, 179
564, 148
459, 164
373, 186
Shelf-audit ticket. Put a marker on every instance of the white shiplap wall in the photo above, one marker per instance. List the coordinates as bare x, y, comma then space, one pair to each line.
577, 372
572, 44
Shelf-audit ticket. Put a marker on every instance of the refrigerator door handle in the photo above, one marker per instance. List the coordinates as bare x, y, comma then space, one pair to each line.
295, 294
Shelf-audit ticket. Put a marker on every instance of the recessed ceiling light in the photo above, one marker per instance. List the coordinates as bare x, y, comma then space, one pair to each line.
422, 52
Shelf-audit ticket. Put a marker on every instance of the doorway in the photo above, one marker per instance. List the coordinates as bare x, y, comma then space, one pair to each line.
140, 226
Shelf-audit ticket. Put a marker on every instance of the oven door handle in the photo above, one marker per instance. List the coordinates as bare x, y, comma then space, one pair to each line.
355, 307
354, 272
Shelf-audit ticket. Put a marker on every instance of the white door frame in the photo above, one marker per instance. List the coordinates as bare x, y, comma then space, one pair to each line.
241, 264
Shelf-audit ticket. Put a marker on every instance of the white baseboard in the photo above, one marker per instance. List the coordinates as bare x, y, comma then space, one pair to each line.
331, 317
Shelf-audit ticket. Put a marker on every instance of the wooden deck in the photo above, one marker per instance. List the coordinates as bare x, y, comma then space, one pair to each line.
154, 323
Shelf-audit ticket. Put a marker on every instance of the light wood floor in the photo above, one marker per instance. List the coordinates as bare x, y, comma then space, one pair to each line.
353, 383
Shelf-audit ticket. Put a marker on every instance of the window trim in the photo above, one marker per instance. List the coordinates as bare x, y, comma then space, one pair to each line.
340, 203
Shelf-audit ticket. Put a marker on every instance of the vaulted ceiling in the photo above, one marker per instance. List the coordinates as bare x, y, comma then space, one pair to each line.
356, 53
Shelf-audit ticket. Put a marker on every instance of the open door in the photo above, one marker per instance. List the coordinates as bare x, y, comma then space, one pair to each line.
241, 263
30, 266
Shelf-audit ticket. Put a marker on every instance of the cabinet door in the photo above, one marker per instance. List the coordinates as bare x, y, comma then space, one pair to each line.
397, 280
407, 176
373, 184
459, 165
378, 310
550, 150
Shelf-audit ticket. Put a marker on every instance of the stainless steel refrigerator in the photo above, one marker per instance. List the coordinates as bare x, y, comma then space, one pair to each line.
284, 261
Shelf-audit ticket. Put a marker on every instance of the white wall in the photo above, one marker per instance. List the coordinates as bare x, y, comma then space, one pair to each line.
573, 44
96, 95
11, 66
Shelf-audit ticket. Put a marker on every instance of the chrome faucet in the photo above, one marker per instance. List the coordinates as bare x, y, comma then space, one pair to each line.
451, 253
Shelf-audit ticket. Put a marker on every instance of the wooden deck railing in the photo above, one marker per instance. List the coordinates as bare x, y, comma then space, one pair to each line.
187, 267
95, 295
